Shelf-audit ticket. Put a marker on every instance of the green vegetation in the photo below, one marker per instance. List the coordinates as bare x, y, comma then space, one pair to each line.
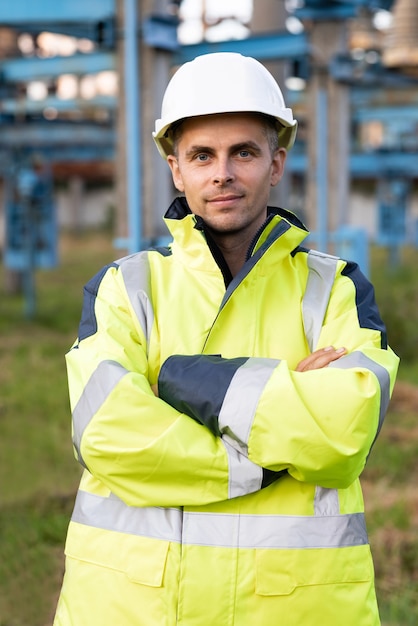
38, 475
397, 295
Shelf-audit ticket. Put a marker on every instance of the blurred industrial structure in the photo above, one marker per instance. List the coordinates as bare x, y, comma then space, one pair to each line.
81, 84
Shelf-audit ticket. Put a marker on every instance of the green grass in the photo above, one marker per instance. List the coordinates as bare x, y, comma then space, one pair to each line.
38, 476
397, 296
32, 535
391, 496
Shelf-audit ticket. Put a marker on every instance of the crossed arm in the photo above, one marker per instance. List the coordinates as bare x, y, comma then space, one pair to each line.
315, 422
316, 360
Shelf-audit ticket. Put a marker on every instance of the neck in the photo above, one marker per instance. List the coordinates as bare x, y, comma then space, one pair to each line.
234, 249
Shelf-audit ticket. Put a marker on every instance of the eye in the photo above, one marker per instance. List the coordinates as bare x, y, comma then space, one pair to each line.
202, 157
244, 154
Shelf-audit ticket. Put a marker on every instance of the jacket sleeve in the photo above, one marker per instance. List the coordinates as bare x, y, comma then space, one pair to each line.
137, 445
318, 425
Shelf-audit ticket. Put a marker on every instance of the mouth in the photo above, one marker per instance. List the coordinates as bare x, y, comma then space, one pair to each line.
226, 199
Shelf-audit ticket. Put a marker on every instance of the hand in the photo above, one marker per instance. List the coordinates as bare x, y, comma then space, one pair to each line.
320, 358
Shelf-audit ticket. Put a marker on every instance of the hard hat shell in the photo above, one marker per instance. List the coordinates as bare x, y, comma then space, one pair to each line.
222, 82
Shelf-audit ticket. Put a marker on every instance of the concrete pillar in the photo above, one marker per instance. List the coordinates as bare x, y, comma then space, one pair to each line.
2, 217
13, 279
76, 190
156, 68
329, 139
269, 16
121, 221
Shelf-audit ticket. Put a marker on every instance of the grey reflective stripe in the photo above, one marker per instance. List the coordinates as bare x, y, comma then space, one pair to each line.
244, 475
322, 268
103, 380
221, 530
273, 531
358, 359
326, 501
113, 514
238, 409
136, 277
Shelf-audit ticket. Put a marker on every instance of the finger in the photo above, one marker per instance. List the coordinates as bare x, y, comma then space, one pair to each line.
320, 358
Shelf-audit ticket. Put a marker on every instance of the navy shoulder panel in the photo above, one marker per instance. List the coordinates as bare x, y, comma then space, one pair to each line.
367, 311
163, 250
88, 323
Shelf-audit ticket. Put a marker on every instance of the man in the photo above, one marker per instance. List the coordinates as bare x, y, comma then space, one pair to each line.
226, 392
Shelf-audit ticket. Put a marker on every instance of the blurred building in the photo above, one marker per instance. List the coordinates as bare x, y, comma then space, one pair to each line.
66, 92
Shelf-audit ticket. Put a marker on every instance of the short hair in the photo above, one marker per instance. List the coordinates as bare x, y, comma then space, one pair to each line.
272, 128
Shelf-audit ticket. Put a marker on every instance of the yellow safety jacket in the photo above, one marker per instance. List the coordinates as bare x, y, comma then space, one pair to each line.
233, 498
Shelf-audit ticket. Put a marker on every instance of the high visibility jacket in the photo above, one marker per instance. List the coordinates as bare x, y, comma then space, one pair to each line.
233, 498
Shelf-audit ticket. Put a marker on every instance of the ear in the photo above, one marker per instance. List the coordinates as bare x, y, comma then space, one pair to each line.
175, 172
277, 166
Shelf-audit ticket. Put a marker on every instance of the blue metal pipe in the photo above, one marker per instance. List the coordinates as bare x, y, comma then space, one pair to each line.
49, 11
33, 68
322, 169
132, 128
271, 46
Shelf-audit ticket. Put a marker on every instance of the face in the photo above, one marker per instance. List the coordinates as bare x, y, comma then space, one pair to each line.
225, 168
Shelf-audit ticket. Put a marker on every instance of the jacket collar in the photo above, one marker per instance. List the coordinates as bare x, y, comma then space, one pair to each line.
189, 231
179, 208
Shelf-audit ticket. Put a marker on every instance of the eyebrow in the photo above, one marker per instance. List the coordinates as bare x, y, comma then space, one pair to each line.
196, 149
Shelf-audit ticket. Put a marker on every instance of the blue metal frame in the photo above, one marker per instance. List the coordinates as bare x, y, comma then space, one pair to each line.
46, 134
102, 33
160, 31
392, 209
338, 9
79, 16
343, 68
31, 228
16, 12
364, 164
352, 244
33, 68
132, 125
386, 113
66, 154
322, 169
373, 164
12, 106
269, 46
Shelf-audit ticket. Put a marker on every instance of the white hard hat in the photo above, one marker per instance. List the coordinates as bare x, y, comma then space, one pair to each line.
222, 82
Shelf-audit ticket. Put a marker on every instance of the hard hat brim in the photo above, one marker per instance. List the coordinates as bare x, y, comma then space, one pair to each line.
164, 143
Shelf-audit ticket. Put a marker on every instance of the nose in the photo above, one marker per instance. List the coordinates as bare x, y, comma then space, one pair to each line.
223, 174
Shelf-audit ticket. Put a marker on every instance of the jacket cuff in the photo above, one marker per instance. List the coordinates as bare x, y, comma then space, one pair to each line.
197, 385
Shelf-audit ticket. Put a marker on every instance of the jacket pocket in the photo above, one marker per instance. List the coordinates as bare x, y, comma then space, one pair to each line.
280, 572
142, 559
